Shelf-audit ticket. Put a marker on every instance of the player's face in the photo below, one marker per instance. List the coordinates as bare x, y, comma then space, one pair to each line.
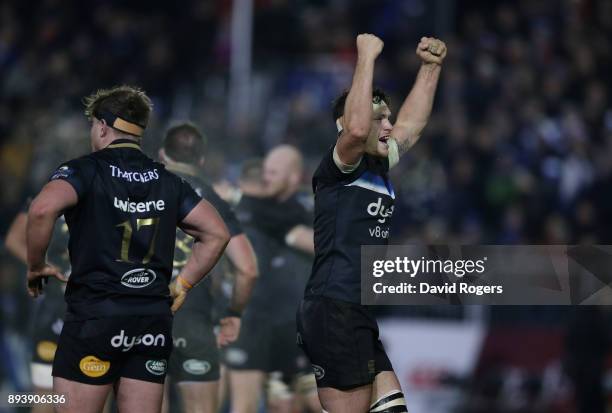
275, 176
380, 131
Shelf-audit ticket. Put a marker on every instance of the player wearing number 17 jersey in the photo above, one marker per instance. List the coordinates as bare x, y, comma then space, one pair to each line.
353, 207
122, 210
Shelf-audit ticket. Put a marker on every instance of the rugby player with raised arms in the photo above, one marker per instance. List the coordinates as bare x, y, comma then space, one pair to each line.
122, 209
353, 207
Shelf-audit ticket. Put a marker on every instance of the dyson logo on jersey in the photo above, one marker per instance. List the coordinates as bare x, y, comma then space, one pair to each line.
127, 206
377, 209
138, 278
121, 340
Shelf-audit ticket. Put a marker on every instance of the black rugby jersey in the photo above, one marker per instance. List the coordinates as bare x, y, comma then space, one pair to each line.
351, 210
208, 292
281, 274
122, 231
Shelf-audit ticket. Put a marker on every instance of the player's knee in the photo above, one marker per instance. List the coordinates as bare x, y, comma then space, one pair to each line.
392, 402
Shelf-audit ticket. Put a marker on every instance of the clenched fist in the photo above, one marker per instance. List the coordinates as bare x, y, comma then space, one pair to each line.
431, 50
369, 45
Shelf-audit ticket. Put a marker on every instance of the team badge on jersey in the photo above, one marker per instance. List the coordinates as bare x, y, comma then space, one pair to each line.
63, 171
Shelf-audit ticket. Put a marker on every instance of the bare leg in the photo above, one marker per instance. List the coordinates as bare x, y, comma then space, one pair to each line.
311, 401
246, 387
80, 397
139, 396
166, 401
307, 397
281, 405
199, 397
42, 407
223, 386
356, 400
386, 383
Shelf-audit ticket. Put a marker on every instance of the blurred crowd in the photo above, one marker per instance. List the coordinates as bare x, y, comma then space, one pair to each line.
518, 149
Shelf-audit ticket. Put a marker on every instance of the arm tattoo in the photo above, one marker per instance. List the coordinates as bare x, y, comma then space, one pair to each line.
405, 145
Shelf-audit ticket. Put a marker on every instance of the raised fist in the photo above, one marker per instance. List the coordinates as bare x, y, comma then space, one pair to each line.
431, 50
369, 45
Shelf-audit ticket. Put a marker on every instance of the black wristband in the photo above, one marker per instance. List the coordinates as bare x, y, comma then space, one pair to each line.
233, 313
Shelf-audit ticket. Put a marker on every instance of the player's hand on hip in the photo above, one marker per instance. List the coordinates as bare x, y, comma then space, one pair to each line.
229, 331
178, 292
431, 50
369, 46
36, 276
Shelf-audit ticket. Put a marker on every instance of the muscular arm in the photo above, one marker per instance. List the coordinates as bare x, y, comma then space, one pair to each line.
55, 197
15, 240
415, 110
210, 236
240, 253
357, 116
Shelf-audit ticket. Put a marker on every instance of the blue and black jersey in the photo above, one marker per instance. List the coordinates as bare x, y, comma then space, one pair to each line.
351, 210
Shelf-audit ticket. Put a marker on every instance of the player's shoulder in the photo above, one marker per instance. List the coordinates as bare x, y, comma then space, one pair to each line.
83, 165
329, 173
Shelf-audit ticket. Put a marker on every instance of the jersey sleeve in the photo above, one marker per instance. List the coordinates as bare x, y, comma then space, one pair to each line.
78, 172
188, 199
224, 210
329, 172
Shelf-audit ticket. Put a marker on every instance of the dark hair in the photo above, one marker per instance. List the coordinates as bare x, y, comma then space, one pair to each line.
338, 104
127, 102
180, 144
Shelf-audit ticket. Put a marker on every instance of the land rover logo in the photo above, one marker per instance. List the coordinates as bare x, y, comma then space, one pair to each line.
196, 367
138, 278
319, 372
157, 367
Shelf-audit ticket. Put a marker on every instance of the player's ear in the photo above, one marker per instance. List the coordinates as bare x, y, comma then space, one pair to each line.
103, 128
201, 161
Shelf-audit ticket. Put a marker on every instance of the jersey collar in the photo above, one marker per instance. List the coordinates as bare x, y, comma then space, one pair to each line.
124, 143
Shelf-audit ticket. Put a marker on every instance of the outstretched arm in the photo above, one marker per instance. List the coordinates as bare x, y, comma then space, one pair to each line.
415, 110
357, 116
